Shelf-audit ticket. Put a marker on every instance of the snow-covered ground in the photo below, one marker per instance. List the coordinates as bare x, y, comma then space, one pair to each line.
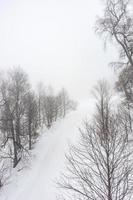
37, 182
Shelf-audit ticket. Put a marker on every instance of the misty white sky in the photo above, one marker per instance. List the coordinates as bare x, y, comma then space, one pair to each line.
54, 42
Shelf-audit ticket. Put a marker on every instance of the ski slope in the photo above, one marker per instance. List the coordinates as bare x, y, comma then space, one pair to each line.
37, 182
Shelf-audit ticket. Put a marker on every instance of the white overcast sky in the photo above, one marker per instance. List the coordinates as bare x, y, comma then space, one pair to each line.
54, 42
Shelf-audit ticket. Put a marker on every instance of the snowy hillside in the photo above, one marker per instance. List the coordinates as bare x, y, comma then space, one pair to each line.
37, 182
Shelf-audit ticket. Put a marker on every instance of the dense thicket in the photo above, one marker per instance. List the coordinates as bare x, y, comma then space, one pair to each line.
22, 112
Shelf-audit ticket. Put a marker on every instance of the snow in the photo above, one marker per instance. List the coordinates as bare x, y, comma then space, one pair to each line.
37, 181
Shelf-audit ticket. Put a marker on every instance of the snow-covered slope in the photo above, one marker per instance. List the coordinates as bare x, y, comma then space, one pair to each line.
37, 182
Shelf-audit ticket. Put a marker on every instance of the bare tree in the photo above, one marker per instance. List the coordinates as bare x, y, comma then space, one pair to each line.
31, 118
49, 106
100, 167
66, 104
7, 122
13, 91
124, 86
40, 103
117, 25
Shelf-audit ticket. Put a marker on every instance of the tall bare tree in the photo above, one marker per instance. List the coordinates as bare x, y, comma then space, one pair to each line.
117, 25
13, 91
100, 167
40, 103
31, 118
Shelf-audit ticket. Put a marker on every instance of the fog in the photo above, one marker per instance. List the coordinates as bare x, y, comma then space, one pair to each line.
55, 43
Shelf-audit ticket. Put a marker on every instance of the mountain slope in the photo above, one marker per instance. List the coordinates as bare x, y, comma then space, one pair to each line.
37, 182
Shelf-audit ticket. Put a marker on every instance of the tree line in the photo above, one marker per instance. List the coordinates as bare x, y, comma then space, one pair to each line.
100, 167
22, 112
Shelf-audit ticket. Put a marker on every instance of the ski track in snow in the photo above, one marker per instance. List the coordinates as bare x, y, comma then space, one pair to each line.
38, 181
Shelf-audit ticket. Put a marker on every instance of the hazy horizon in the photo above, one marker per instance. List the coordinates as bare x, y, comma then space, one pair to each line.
55, 43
